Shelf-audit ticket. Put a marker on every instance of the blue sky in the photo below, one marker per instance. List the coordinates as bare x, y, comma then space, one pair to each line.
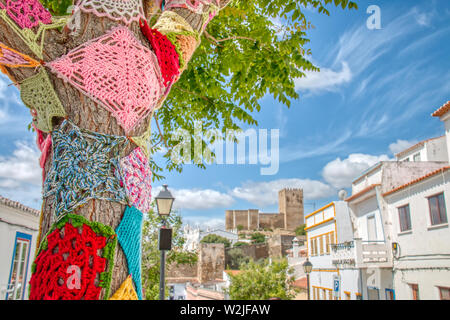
374, 96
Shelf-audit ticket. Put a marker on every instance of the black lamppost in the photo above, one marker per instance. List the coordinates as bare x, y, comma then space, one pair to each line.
307, 267
164, 202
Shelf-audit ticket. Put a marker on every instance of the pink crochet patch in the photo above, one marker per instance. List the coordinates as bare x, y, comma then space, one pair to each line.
116, 71
44, 146
9, 57
137, 175
27, 13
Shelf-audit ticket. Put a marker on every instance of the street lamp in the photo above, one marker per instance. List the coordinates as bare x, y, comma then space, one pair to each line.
164, 202
307, 267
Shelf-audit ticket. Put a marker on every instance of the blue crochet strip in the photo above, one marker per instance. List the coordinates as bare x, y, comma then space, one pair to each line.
85, 166
129, 234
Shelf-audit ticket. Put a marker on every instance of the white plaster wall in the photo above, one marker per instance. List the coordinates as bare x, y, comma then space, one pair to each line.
425, 246
362, 212
7, 240
437, 150
373, 177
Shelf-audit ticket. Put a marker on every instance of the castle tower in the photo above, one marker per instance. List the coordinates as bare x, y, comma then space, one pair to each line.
290, 202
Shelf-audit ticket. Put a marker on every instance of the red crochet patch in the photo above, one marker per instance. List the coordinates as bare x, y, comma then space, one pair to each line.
67, 252
165, 51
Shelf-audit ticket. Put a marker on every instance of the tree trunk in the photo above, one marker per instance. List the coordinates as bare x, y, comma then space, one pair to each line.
85, 113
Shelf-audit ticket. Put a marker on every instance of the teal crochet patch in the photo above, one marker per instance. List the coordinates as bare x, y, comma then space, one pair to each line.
129, 234
85, 166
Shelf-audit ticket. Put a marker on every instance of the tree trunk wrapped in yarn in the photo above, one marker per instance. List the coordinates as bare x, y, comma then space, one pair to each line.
37, 35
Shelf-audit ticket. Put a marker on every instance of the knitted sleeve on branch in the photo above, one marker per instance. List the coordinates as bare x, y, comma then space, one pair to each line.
116, 71
127, 11
129, 234
137, 176
73, 255
207, 8
34, 40
44, 146
26, 13
165, 51
126, 291
37, 93
85, 166
143, 140
14, 59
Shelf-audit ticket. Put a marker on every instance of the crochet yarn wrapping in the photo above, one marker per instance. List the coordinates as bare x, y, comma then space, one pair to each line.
137, 176
171, 22
143, 140
37, 93
85, 166
44, 146
129, 234
72, 256
126, 291
165, 51
14, 59
207, 8
116, 71
34, 40
127, 11
27, 13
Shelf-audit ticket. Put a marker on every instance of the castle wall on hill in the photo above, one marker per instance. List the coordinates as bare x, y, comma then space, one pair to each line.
290, 216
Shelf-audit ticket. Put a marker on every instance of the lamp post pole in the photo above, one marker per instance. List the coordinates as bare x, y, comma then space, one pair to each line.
162, 272
307, 267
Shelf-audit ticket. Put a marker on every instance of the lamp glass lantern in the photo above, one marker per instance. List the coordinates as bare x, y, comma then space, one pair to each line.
307, 267
164, 202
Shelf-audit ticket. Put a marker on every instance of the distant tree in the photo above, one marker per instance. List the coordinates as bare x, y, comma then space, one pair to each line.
240, 244
258, 238
300, 231
151, 254
236, 258
262, 281
240, 227
214, 238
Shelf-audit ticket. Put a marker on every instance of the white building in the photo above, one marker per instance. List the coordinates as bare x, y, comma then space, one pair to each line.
18, 232
399, 217
193, 236
325, 227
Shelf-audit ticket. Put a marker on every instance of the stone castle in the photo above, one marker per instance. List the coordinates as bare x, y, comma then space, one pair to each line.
290, 216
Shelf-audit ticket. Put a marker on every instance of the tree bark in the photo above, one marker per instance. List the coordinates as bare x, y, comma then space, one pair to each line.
86, 113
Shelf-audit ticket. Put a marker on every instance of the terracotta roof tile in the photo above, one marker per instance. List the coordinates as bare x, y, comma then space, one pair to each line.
443, 169
17, 205
442, 110
421, 143
358, 194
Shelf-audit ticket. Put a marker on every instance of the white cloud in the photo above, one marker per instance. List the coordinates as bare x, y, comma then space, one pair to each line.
205, 222
326, 79
340, 173
263, 194
21, 167
401, 145
21, 176
197, 199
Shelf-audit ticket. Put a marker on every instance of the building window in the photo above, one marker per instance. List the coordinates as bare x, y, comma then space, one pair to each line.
404, 218
416, 157
438, 213
390, 294
444, 293
321, 244
327, 243
18, 274
414, 291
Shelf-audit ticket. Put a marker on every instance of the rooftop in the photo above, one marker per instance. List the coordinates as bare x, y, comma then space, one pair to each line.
419, 144
17, 205
442, 110
441, 170
358, 194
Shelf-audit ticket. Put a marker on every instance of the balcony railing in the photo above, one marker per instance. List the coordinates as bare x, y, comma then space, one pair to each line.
360, 254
